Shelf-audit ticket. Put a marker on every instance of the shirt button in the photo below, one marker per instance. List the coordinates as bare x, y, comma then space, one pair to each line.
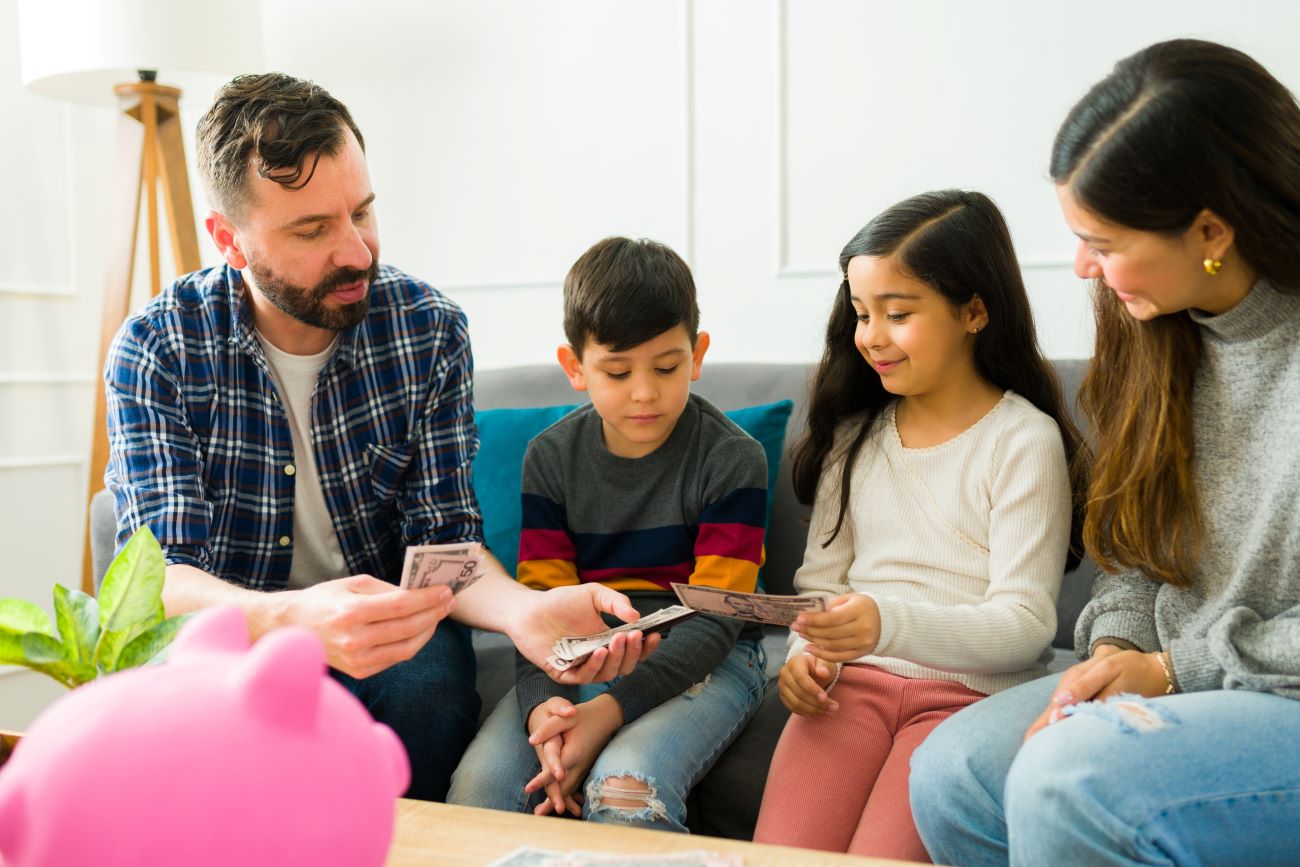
289, 469
284, 541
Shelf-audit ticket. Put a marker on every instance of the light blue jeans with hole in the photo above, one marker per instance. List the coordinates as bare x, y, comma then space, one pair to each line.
670, 748
1195, 778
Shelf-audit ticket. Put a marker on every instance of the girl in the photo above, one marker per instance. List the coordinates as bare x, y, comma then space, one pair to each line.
936, 460
1174, 741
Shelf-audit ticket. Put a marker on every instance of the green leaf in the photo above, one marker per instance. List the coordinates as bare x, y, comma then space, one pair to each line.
45, 654
17, 618
133, 584
150, 645
113, 641
77, 615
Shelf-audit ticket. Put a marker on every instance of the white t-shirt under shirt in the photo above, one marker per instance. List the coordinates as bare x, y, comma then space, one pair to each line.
316, 553
962, 545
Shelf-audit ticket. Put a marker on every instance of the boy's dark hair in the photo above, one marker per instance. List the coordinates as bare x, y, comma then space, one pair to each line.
279, 124
956, 242
623, 292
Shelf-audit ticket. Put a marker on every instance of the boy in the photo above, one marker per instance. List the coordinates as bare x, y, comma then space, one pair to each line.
647, 485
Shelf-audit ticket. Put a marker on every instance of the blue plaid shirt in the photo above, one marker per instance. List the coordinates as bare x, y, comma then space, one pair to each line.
200, 447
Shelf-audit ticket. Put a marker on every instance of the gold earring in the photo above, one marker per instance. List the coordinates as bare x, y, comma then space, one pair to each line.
1212, 266
974, 331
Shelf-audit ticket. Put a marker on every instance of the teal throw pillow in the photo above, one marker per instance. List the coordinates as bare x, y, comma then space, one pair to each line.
503, 438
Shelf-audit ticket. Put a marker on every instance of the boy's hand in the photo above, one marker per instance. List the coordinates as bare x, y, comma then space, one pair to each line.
546, 726
849, 628
803, 681
593, 724
575, 611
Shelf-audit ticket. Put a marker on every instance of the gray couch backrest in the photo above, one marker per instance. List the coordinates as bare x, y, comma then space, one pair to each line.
737, 385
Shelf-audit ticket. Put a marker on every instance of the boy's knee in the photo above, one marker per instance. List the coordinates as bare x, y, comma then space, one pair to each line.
633, 796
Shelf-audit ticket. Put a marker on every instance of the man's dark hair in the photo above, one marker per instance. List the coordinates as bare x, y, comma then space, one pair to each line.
278, 124
623, 292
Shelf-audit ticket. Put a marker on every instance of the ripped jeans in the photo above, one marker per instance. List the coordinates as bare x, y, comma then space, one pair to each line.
1194, 778
670, 749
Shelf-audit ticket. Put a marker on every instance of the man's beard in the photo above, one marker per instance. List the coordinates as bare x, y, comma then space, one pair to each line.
308, 305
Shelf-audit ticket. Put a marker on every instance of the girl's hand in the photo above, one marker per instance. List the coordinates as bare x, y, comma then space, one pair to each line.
847, 629
803, 681
1100, 678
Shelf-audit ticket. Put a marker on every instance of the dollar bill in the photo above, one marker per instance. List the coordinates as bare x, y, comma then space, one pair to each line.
573, 650
457, 565
756, 607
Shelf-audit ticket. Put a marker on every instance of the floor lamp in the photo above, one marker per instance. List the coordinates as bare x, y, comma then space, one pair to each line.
77, 50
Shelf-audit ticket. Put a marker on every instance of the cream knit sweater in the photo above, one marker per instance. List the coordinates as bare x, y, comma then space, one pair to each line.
962, 545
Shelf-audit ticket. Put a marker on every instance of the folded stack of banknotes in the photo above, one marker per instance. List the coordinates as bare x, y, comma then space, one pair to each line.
757, 607
457, 565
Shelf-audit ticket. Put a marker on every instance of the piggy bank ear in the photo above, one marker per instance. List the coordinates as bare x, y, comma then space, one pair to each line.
216, 630
13, 824
281, 677
391, 747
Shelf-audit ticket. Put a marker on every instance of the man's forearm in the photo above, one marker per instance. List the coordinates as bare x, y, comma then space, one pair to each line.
188, 588
494, 601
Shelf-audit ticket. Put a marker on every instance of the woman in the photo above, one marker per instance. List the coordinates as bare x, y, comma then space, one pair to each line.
1174, 740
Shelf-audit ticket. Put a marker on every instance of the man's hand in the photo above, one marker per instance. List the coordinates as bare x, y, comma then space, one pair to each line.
575, 611
847, 629
366, 624
1109, 672
803, 681
583, 735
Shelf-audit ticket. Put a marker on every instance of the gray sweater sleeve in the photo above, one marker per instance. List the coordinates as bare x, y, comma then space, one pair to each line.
1122, 606
1242, 651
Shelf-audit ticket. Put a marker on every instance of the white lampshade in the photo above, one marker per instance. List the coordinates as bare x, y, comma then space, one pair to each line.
79, 49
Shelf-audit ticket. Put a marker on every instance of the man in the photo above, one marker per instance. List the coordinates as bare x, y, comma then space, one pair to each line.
292, 420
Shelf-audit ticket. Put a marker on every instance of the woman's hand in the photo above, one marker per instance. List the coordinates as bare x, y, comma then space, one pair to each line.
849, 628
1109, 672
803, 681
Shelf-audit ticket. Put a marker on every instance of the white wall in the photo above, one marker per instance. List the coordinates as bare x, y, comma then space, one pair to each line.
505, 136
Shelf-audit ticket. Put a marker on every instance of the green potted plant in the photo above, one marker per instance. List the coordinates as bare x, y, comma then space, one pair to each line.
124, 627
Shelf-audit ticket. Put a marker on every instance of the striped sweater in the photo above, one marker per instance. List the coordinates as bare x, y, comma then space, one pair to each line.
692, 511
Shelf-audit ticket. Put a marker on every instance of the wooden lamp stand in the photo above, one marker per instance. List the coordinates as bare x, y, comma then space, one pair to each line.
149, 150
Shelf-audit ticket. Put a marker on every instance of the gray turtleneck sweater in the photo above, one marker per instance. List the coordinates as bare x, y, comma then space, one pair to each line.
1237, 625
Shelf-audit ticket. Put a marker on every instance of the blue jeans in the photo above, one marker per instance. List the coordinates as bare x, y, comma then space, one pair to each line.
1195, 778
670, 748
430, 702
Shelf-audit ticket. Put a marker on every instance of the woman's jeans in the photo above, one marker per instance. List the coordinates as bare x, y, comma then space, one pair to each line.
669, 748
1195, 778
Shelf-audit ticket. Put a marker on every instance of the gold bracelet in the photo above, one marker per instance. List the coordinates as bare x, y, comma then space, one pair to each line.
1162, 657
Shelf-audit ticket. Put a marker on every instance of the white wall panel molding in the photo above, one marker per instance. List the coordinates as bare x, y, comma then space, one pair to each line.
40, 461
47, 378
57, 289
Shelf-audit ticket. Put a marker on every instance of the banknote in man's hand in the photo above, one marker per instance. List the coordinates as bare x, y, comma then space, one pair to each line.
458, 565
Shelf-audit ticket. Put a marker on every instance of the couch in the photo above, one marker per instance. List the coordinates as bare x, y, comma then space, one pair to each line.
725, 803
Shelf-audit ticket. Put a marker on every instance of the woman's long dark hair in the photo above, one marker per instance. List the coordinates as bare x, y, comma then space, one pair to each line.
1176, 128
957, 243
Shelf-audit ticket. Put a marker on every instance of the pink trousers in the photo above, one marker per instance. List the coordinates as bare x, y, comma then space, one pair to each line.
838, 781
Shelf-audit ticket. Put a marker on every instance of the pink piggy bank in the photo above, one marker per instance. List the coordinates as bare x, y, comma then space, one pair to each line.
224, 755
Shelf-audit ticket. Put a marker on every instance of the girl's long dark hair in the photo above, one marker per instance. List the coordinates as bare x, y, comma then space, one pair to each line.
957, 243
1178, 127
